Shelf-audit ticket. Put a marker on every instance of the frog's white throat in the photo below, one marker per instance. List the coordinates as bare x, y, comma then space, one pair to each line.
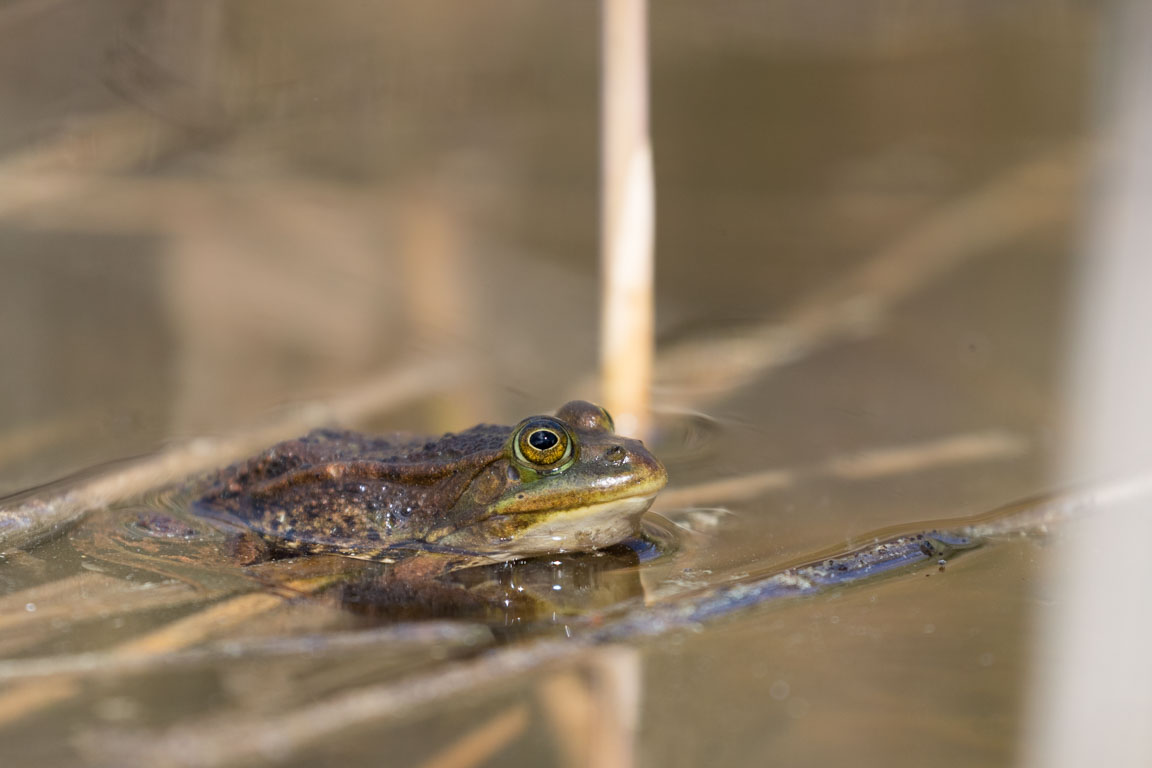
579, 529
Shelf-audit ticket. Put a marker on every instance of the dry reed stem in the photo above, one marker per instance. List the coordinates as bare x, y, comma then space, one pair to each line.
113, 664
239, 739
202, 625
25, 699
595, 712
86, 595
618, 674
904, 459
55, 200
105, 142
725, 491
569, 705
1025, 198
233, 612
879, 462
627, 217
24, 523
28, 698
478, 745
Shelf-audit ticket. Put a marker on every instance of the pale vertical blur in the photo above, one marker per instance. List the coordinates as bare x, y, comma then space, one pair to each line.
1091, 701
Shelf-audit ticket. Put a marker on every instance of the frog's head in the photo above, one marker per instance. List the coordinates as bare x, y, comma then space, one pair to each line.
562, 483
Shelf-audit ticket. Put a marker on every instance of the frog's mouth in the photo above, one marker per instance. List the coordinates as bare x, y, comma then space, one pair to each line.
594, 526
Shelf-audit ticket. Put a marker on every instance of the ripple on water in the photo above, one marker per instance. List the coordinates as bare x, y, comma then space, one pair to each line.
686, 438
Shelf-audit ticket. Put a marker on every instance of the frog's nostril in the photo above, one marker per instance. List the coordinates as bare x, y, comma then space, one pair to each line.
615, 453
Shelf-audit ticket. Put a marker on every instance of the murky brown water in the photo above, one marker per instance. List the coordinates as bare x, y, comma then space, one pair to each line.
220, 220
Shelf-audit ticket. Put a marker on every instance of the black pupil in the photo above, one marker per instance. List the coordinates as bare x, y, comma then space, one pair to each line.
542, 439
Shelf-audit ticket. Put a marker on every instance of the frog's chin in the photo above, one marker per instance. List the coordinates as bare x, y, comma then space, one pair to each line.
574, 530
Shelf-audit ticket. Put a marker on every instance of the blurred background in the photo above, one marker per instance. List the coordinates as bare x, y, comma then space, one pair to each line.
212, 209
212, 213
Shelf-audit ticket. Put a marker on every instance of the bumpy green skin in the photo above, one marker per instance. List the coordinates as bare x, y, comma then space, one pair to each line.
467, 493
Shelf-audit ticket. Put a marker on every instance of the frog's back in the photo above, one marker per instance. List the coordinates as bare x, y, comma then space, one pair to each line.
350, 493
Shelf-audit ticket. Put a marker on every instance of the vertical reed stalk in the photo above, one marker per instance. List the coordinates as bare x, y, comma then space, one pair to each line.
627, 217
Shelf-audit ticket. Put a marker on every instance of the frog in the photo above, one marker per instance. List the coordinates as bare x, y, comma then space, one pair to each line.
551, 484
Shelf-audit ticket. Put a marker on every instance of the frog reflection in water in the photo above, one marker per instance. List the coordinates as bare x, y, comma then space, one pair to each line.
551, 484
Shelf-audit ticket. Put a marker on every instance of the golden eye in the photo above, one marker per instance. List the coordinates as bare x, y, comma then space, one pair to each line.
544, 444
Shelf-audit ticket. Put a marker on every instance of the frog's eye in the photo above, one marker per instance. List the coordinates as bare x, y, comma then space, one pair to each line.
543, 444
